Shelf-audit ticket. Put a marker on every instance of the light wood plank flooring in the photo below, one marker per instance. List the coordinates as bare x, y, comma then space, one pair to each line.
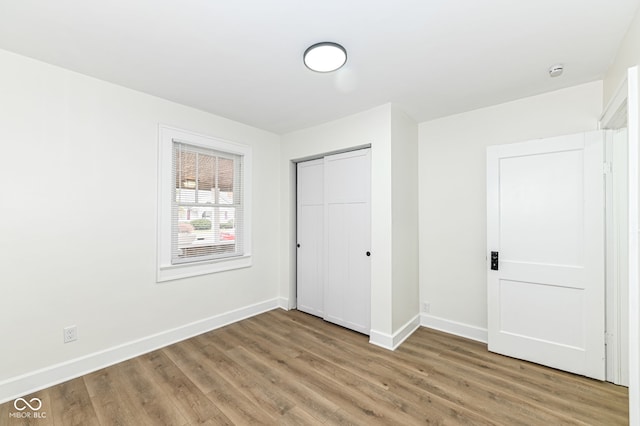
291, 368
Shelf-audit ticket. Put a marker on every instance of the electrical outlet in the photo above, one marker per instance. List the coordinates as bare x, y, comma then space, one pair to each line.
70, 333
426, 307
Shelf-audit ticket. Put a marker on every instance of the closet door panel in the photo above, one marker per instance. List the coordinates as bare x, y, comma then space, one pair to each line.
310, 237
348, 239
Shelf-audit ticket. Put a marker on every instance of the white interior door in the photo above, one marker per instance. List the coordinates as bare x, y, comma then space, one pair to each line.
347, 290
310, 237
545, 219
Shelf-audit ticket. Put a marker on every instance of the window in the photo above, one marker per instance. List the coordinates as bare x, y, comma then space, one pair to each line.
204, 223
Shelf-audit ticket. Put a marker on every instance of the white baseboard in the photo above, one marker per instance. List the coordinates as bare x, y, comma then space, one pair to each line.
392, 341
40, 379
283, 303
453, 327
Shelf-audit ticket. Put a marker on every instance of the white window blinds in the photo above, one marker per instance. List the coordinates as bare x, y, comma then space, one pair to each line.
207, 208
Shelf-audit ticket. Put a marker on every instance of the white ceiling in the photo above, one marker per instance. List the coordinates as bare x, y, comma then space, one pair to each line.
242, 59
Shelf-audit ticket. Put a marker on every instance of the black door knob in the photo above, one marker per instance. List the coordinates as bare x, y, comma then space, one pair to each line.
298, 245
368, 253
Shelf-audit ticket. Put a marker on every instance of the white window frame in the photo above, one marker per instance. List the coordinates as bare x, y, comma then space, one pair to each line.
167, 271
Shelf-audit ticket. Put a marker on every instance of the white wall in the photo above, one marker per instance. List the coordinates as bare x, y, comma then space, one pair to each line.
404, 163
627, 56
452, 192
372, 127
78, 223
392, 136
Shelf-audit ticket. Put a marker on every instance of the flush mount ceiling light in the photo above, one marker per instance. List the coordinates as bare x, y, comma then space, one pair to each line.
325, 57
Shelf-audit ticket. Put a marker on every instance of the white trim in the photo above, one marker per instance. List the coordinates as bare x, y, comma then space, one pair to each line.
381, 339
166, 271
615, 103
283, 303
392, 342
186, 270
58, 373
633, 111
611, 339
616, 235
454, 327
290, 249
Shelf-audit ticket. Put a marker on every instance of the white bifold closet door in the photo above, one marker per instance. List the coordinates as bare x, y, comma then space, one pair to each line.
334, 239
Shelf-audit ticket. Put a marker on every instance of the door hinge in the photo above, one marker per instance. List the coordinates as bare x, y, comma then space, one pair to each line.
606, 168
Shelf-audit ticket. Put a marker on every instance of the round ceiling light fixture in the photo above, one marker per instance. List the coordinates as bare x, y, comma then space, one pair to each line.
325, 57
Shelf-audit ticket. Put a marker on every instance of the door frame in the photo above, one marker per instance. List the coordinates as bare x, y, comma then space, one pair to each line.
626, 102
616, 256
633, 111
618, 114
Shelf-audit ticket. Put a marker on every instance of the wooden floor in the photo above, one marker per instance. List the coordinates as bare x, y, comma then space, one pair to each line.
291, 368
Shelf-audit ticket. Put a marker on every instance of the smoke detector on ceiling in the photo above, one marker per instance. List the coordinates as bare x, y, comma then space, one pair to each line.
556, 70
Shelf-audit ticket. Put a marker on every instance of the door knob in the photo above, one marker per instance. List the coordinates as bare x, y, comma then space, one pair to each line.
368, 253
298, 245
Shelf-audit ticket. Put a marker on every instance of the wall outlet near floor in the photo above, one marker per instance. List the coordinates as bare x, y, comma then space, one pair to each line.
426, 307
70, 333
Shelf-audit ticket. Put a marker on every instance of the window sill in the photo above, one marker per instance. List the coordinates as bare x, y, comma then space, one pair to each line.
186, 270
